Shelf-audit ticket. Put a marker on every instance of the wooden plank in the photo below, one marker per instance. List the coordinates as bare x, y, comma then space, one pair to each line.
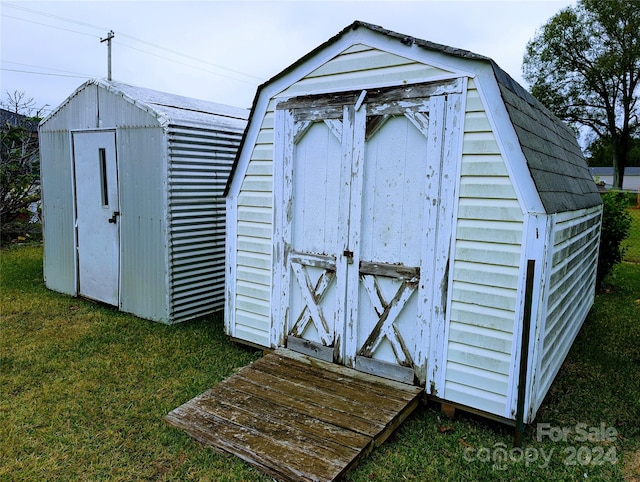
287, 463
273, 423
318, 372
334, 387
326, 414
385, 369
297, 418
339, 369
411, 274
245, 400
310, 348
313, 395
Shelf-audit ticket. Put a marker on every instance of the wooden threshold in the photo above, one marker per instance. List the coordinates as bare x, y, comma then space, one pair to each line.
297, 418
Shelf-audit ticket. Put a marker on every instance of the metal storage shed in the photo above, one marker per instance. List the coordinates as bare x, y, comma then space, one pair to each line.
407, 209
133, 212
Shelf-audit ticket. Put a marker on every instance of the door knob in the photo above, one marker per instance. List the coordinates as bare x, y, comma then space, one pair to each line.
112, 219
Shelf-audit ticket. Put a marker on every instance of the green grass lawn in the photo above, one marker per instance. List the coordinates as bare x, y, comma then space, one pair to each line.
84, 392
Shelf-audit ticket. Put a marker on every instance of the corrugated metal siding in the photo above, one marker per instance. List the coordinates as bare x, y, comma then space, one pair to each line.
79, 112
356, 66
199, 164
489, 235
143, 227
571, 287
57, 207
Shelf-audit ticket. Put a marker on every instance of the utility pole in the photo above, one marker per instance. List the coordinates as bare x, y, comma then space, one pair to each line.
110, 35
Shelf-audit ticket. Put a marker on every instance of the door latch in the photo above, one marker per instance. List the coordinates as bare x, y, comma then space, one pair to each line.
112, 219
349, 255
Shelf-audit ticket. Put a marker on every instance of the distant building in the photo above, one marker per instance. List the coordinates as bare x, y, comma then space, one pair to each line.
631, 181
14, 120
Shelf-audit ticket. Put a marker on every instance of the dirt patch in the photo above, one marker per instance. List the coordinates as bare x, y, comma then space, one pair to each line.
631, 469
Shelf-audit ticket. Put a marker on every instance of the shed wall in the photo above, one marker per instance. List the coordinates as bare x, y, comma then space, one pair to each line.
143, 224
57, 206
199, 164
488, 245
487, 249
171, 182
573, 262
355, 67
79, 112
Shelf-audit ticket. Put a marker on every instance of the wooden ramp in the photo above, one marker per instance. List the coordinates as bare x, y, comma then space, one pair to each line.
296, 417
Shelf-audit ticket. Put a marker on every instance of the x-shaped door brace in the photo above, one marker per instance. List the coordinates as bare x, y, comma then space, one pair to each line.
387, 314
312, 295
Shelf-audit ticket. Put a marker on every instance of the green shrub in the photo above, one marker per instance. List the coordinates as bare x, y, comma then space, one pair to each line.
20, 231
616, 223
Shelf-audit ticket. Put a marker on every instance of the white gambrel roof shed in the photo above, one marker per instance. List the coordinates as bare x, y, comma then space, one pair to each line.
406, 209
133, 206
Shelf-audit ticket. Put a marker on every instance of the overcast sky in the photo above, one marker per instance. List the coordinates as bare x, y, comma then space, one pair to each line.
222, 50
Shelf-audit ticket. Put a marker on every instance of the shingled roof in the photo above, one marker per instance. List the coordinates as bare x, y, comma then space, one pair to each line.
553, 156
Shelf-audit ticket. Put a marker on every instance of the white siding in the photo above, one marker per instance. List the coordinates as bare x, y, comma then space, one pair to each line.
571, 288
361, 67
357, 66
485, 271
254, 242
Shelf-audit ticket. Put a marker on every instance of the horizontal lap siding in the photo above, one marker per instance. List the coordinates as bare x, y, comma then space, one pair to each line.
486, 271
254, 242
361, 66
199, 166
571, 287
355, 67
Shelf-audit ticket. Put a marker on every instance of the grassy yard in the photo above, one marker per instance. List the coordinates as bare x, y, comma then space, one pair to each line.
84, 390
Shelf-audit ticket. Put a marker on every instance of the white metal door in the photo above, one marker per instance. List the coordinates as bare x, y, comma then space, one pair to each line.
359, 237
97, 212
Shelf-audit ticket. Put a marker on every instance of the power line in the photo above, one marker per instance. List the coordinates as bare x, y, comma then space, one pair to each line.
175, 52
50, 15
44, 68
47, 73
47, 25
165, 49
183, 63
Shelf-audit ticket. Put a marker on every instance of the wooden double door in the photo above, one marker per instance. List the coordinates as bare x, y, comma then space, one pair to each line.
361, 249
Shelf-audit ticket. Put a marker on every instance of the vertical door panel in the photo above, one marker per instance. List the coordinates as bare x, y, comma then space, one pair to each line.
96, 187
391, 326
313, 294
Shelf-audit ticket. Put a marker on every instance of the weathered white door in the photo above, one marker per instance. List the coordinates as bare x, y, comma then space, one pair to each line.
97, 211
313, 281
359, 239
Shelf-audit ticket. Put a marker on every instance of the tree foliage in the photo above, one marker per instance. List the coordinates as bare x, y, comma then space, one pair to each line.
19, 157
600, 152
616, 224
584, 65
